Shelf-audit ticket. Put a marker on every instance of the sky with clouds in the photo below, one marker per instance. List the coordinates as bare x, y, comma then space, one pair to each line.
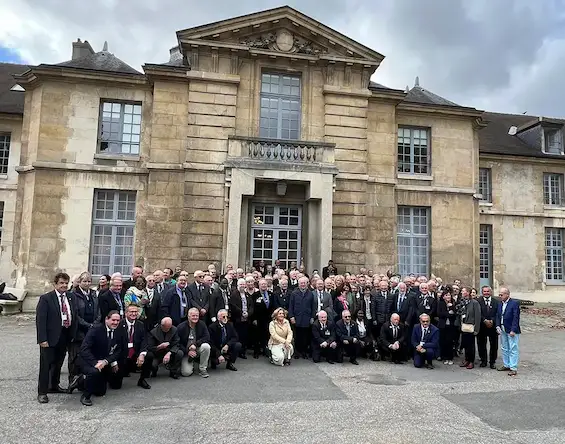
498, 55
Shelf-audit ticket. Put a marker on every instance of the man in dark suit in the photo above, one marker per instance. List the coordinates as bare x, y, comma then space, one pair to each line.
347, 336
199, 295
323, 300
195, 344
100, 354
56, 323
153, 305
426, 303
282, 297
489, 307
425, 341
242, 308
403, 306
301, 312
330, 270
220, 299
323, 339
135, 273
508, 327
111, 300
391, 340
135, 347
263, 309
163, 345
160, 285
381, 305
224, 343
175, 303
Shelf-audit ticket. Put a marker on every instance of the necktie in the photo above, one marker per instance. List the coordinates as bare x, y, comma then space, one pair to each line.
65, 311
488, 302
131, 350
223, 335
266, 298
348, 329
394, 331
160, 288
400, 301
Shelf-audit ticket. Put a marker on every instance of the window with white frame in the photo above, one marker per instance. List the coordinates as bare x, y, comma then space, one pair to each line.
413, 238
280, 106
5, 140
553, 189
113, 226
554, 255
553, 141
120, 128
413, 150
485, 184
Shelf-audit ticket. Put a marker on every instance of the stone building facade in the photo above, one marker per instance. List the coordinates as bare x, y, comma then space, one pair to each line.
261, 138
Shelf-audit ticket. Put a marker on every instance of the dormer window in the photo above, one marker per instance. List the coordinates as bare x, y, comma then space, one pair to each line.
553, 141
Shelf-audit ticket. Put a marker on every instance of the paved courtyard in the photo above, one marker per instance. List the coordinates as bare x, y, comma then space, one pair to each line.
304, 403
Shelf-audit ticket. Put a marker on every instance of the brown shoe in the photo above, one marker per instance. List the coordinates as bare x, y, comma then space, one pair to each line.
464, 364
512, 373
470, 366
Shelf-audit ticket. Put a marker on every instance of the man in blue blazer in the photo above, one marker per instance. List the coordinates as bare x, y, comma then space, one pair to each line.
425, 341
508, 327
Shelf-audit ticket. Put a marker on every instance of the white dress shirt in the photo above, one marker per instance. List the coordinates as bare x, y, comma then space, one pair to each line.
61, 307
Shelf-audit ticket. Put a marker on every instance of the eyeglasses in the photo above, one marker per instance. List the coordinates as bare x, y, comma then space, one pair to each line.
347, 317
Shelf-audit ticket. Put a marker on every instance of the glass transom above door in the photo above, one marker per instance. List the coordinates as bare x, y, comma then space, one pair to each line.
276, 234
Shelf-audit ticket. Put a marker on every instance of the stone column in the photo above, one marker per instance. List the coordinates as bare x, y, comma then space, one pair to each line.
242, 184
321, 189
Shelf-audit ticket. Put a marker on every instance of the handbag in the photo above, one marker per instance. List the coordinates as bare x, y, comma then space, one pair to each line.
467, 328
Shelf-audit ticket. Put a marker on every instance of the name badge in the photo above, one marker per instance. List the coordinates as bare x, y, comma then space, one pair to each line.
130, 344
327, 333
427, 307
259, 300
64, 316
121, 312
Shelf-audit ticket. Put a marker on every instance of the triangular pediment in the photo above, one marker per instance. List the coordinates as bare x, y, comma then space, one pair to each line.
281, 30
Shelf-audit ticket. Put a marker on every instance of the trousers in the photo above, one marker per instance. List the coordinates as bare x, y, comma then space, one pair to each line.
510, 350
419, 358
202, 357
279, 354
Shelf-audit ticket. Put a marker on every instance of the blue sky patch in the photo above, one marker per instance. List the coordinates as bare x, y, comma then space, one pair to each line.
9, 55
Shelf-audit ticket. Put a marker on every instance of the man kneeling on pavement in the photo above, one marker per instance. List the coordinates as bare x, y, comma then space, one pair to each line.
224, 343
195, 344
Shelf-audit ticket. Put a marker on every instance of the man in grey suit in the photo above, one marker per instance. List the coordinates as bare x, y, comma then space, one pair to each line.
323, 300
301, 311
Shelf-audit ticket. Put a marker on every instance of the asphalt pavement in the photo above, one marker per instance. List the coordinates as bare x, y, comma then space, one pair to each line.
304, 403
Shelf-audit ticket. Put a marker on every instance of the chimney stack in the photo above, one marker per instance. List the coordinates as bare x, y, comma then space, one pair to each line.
175, 54
81, 49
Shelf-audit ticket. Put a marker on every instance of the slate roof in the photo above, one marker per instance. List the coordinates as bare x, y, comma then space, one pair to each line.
100, 61
421, 95
11, 102
494, 138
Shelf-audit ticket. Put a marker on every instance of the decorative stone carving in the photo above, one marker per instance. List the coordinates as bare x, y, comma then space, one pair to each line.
283, 41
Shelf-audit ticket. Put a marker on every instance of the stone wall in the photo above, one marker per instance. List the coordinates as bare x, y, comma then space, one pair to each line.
519, 219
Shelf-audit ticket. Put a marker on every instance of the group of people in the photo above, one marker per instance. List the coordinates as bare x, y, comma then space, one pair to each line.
136, 325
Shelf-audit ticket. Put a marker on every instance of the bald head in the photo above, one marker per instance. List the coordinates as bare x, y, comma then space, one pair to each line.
166, 324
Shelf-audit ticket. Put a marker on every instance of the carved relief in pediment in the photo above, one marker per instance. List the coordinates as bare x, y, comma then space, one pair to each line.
284, 41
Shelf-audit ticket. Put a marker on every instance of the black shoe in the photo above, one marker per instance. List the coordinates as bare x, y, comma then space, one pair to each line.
42, 399
330, 361
297, 356
493, 366
255, 355
58, 389
242, 356
85, 400
74, 384
231, 367
430, 366
174, 375
126, 375
154, 372
143, 384
483, 364
354, 361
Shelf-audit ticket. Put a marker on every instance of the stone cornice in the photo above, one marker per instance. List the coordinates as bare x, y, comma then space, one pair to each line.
11, 116
53, 72
174, 73
521, 159
82, 167
342, 91
437, 109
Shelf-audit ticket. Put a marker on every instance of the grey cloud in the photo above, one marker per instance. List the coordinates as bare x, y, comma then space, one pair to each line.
474, 52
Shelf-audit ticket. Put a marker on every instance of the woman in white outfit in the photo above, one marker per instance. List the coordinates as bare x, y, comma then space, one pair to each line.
280, 342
